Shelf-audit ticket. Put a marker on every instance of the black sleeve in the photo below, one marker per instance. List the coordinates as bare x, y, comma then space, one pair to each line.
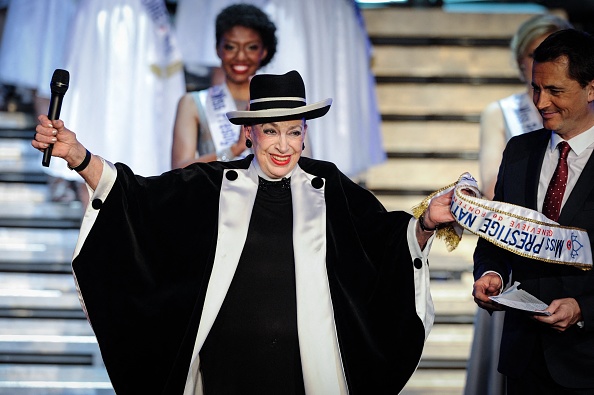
140, 275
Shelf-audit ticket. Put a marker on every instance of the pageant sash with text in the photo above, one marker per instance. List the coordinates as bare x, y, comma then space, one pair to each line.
217, 101
520, 115
517, 229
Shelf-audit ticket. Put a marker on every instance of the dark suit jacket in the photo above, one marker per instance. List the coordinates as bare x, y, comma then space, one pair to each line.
569, 355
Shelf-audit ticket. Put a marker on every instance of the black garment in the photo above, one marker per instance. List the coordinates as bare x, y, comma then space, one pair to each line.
536, 379
252, 347
145, 267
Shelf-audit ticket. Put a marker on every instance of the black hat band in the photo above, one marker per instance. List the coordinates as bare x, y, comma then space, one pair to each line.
276, 102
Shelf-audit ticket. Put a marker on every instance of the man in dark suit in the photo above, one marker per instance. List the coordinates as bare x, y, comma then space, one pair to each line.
549, 354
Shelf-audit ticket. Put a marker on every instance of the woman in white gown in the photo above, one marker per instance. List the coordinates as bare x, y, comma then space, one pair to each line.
327, 43
126, 76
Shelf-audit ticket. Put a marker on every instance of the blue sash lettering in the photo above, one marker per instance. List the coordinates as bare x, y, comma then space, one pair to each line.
522, 240
464, 216
556, 246
218, 99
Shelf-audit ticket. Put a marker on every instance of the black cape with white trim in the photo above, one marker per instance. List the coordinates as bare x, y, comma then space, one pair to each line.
144, 268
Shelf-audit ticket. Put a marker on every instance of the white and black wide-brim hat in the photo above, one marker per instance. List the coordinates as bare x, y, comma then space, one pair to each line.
278, 98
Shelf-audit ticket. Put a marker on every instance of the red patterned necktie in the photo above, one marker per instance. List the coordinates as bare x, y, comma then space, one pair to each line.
552, 202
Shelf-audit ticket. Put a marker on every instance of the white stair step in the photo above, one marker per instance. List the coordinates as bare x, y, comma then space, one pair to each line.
54, 380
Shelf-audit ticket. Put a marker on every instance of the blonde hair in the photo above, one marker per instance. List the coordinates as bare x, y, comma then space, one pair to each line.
532, 29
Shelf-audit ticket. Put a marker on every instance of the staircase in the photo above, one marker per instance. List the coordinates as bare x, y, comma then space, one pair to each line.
46, 344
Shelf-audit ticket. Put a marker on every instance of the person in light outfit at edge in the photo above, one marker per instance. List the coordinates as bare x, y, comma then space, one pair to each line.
274, 274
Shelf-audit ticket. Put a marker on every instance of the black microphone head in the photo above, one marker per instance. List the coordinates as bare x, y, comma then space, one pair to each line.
60, 81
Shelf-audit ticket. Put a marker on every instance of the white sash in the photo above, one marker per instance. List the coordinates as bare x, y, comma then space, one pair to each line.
169, 61
520, 115
217, 101
523, 231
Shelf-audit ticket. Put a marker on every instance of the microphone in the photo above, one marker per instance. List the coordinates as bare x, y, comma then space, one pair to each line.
58, 86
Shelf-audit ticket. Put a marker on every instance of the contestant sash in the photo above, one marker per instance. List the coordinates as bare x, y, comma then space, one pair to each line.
217, 102
517, 229
167, 58
520, 115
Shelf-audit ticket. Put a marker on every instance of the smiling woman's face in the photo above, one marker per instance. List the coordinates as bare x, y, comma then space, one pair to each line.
277, 146
241, 50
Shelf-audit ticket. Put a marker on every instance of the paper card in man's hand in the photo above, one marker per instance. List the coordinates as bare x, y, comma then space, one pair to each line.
521, 300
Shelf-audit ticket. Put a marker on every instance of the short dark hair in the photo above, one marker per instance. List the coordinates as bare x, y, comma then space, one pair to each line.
577, 46
252, 17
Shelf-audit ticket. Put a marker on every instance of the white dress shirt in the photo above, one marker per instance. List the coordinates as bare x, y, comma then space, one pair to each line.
581, 149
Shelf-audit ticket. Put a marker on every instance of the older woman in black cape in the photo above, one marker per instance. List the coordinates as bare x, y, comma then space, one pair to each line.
273, 274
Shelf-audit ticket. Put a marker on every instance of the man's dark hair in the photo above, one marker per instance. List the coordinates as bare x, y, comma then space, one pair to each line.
577, 46
252, 17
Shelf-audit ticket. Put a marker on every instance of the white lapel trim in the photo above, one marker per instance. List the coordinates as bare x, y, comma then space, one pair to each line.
235, 209
320, 355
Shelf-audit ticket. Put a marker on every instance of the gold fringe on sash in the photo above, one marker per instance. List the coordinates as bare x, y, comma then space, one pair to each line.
577, 251
447, 233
